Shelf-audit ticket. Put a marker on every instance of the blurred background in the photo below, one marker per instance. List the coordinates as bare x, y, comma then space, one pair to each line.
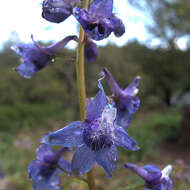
156, 46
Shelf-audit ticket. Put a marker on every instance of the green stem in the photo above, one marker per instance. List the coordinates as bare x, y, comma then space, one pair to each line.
81, 75
81, 87
74, 176
91, 181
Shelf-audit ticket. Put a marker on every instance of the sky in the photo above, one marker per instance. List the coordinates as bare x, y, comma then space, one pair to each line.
21, 18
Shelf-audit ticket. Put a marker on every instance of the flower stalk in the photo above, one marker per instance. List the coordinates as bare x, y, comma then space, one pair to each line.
81, 76
80, 70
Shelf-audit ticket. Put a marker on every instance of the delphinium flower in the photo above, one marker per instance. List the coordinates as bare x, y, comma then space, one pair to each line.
44, 171
187, 176
2, 174
126, 101
99, 21
36, 57
90, 50
96, 138
155, 178
58, 10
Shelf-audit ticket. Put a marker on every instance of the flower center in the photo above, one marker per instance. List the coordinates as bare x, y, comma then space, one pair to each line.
98, 134
97, 139
91, 26
101, 29
46, 169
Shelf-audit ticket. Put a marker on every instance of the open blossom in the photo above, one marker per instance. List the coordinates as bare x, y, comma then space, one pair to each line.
99, 21
126, 101
155, 178
36, 57
58, 10
96, 138
44, 171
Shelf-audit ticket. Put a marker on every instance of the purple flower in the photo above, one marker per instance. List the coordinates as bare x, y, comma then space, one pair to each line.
44, 171
187, 176
2, 175
126, 101
155, 178
96, 139
90, 51
119, 28
36, 57
99, 21
58, 10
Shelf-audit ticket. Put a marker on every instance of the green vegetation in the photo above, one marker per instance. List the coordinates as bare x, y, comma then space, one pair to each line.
28, 116
152, 131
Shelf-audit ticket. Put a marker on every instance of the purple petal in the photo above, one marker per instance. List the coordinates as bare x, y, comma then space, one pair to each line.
54, 181
166, 184
108, 159
151, 168
40, 184
119, 28
26, 69
128, 104
124, 140
132, 89
101, 8
43, 151
43, 175
46, 154
34, 59
84, 18
100, 30
55, 48
65, 165
138, 170
56, 11
133, 104
33, 169
123, 118
149, 177
95, 107
69, 136
38, 169
114, 87
34, 53
90, 51
96, 28
83, 160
